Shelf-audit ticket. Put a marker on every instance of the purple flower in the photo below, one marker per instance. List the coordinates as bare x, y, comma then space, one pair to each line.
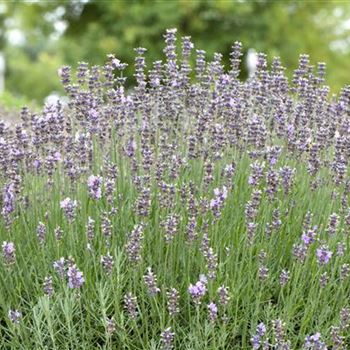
308, 237
284, 277
218, 201
69, 207
94, 185
8, 252
261, 329
107, 263
75, 277
58, 233
48, 286
314, 342
133, 245
130, 305
224, 297
150, 280
60, 267
90, 227
41, 232
213, 311
167, 338
173, 301
110, 326
15, 316
8, 200
57, 156
255, 341
197, 291
323, 255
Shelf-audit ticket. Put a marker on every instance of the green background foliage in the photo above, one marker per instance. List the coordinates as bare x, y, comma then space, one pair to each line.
96, 28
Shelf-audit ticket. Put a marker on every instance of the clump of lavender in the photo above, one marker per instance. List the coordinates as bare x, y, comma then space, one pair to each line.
150, 280
75, 277
8, 252
69, 207
167, 339
175, 136
95, 186
15, 316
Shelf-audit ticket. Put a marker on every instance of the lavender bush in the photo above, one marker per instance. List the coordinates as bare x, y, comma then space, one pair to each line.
195, 211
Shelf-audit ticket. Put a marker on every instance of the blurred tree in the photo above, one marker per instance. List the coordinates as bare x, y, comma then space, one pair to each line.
64, 32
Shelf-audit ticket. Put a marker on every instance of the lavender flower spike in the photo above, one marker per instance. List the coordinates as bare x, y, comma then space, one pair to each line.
94, 185
41, 232
197, 291
8, 252
130, 305
60, 267
15, 316
213, 311
75, 277
167, 338
48, 286
150, 280
323, 255
69, 207
314, 342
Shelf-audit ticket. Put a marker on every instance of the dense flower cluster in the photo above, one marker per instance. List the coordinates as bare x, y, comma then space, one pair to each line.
193, 172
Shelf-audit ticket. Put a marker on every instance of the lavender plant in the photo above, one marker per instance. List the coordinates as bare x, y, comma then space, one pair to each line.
195, 173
